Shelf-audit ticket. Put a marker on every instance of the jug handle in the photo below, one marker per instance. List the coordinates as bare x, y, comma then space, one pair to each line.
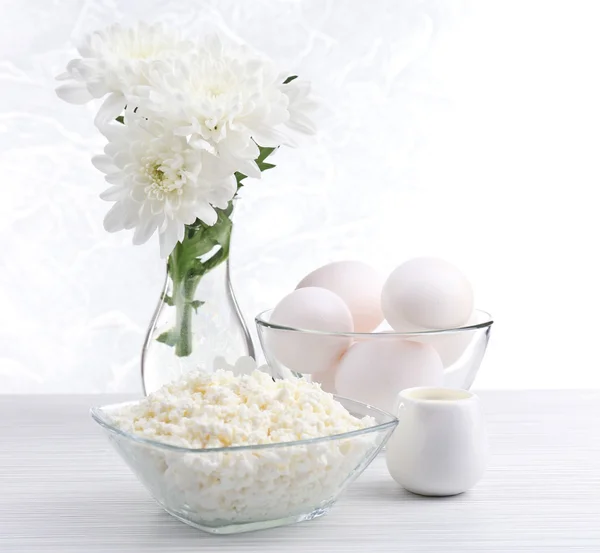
398, 406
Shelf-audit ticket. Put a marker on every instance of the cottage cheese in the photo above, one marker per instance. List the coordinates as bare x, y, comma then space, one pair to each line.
221, 409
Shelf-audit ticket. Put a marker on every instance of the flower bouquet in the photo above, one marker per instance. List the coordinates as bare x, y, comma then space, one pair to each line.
186, 123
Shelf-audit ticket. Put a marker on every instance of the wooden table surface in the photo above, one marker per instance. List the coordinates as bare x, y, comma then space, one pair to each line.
63, 490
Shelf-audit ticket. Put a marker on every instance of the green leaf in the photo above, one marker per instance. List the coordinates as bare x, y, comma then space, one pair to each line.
220, 232
239, 177
228, 210
170, 337
264, 154
265, 166
200, 239
214, 261
197, 270
200, 244
196, 304
290, 79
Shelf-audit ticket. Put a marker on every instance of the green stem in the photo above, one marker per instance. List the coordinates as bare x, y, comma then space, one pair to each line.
184, 289
183, 305
186, 271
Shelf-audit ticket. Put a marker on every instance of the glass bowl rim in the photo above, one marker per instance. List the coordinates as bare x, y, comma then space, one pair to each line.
260, 320
100, 417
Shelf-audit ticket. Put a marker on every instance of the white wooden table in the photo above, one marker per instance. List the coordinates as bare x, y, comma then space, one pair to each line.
63, 490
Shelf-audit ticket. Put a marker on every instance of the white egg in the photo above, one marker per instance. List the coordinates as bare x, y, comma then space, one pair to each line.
426, 293
377, 370
326, 379
310, 309
451, 346
358, 284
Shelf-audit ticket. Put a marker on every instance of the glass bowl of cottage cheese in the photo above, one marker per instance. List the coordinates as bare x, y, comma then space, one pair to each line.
230, 453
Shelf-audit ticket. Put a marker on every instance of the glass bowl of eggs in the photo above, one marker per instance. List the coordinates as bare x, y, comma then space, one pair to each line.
368, 337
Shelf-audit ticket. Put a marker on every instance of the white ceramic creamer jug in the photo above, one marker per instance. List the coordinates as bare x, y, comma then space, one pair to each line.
440, 444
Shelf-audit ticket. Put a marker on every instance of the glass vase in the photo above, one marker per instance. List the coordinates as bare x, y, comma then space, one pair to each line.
197, 317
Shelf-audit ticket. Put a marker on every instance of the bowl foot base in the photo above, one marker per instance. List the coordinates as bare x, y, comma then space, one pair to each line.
237, 528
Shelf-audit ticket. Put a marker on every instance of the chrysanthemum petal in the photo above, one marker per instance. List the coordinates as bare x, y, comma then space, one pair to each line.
144, 230
223, 191
205, 212
302, 124
271, 137
114, 178
113, 194
103, 163
115, 218
111, 108
74, 93
168, 238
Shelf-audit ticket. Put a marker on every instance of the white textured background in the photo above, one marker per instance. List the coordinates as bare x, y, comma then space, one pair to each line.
465, 130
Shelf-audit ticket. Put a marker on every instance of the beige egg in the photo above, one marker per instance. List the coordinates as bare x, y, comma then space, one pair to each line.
376, 371
326, 379
426, 292
310, 309
358, 284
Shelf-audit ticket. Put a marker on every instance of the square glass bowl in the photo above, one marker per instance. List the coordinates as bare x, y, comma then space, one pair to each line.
239, 489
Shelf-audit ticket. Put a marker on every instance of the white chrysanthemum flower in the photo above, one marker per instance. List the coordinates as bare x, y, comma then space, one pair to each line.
159, 183
194, 113
113, 62
228, 98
